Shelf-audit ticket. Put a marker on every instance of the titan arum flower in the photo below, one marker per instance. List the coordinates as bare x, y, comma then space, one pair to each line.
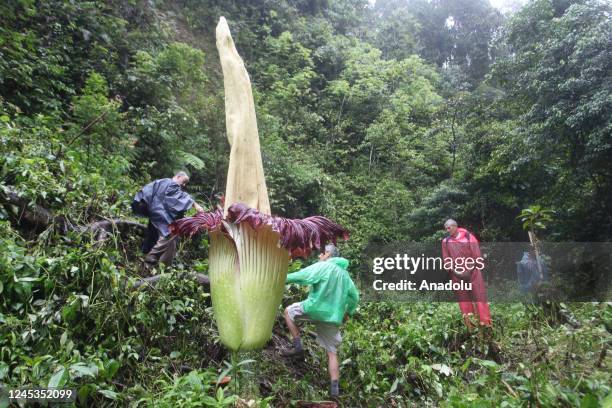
249, 248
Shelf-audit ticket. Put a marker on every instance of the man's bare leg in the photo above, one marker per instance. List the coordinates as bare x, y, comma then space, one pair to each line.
295, 334
293, 329
332, 365
334, 372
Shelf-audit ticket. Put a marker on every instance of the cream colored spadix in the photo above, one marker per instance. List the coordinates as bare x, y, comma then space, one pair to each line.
245, 177
247, 269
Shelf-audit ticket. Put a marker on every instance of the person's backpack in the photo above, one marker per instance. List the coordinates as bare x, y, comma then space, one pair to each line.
140, 207
139, 204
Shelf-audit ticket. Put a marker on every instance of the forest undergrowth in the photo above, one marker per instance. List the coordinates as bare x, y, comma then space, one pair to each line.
387, 118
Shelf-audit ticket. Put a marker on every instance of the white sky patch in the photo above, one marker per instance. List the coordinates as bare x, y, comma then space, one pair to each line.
506, 6
502, 5
450, 22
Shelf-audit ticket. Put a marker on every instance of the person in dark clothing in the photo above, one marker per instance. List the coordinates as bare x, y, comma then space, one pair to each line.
162, 201
531, 270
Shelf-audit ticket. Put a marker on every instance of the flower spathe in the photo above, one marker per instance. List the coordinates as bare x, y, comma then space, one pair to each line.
248, 261
249, 248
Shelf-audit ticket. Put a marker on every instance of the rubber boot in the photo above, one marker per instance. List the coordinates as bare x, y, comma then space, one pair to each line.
334, 389
297, 349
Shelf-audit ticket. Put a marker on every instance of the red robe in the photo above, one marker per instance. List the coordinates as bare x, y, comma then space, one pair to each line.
465, 245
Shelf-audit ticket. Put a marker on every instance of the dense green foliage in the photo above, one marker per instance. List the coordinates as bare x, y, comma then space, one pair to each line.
387, 118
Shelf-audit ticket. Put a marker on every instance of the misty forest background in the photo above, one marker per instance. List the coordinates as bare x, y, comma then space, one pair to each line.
387, 118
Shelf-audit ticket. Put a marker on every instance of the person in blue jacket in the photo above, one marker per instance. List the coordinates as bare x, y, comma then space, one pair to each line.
529, 273
331, 299
163, 201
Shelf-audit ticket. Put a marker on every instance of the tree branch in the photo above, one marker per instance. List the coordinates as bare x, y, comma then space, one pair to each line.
101, 228
41, 218
152, 280
28, 211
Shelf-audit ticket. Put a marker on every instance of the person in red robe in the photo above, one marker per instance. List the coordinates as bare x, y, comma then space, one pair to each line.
458, 246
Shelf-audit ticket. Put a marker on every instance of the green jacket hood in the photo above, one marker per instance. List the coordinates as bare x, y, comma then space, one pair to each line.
341, 262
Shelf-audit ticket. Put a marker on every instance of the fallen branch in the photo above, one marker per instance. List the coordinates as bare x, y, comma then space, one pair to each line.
509, 388
602, 355
30, 212
87, 127
41, 218
119, 384
100, 229
152, 280
116, 223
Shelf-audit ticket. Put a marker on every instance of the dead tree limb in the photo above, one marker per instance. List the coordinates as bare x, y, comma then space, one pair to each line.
101, 229
30, 212
152, 280
602, 355
41, 218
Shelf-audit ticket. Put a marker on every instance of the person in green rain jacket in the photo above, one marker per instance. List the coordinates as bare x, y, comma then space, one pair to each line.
332, 297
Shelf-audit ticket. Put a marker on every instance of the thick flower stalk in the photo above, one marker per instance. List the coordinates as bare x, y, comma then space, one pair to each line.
249, 248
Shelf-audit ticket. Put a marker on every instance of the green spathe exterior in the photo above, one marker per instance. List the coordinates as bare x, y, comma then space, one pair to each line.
247, 274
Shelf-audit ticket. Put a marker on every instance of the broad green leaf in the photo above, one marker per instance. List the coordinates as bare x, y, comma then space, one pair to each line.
4, 369
63, 338
394, 386
81, 369
443, 368
58, 379
111, 369
109, 394
192, 160
589, 401
607, 402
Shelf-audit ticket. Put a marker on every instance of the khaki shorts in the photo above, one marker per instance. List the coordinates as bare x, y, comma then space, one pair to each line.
328, 334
